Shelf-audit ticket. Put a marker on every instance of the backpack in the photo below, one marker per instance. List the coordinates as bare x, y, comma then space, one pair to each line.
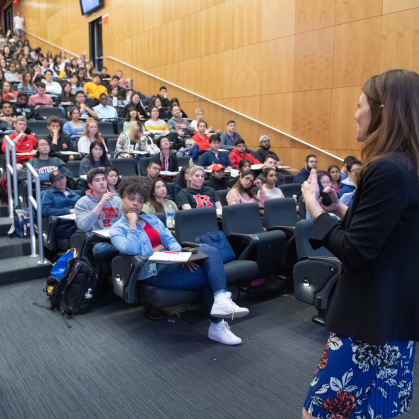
218, 240
4, 197
21, 226
74, 293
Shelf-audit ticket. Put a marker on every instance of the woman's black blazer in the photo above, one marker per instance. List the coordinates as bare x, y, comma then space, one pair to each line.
173, 163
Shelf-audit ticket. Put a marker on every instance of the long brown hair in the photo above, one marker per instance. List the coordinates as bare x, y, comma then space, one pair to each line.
152, 198
394, 127
239, 187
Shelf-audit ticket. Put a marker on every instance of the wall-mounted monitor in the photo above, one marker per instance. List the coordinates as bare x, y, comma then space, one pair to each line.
88, 6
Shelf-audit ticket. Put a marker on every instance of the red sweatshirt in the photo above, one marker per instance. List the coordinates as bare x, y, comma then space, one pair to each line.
25, 144
202, 144
235, 158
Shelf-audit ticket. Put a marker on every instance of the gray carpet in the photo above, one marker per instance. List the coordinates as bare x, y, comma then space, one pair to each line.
114, 363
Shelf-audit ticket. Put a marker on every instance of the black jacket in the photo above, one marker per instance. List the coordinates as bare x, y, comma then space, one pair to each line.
140, 109
376, 298
261, 155
165, 102
219, 184
121, 92
173, 163
64, 143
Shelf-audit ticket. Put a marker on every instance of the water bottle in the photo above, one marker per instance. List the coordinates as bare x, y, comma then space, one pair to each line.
88, 293
170, 216
190, 162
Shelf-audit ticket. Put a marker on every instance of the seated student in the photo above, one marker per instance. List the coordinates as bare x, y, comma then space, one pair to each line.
74, 128
217, 180
244, 166
96, 159
99, 209
229, 138
40, 99
132, 116
85, 110
26, 85
7, 119
113, 180
57, 65
239, 153
60, 200
165, 102
122, 82
67, 72
91, 134
37, 75
94, 89
113, 98
178, 125
52, 87
24, 143
7, 92
104, 76
44, 164
348, 186
344, 170
21, 107
136, 102
270, 177
141, 235
81, 61
196, 195
213, 156
58, 142
103, 110
81, 74
264, 150
114, 82
45, 65
74, 65
88, 72
23, 66
242, 193
76, 84
134, 138
66, 97
157, 201
304, 173
200, 117
272, 162
175, 102
12, 75
153, 172
167, 159
156, 124
156, 103
181, 181
335, 177
200, 138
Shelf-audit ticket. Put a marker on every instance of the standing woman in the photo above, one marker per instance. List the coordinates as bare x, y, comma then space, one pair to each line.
334, 173
132, 116
373, 316
74, 128
158, 202
96, 159
91, 134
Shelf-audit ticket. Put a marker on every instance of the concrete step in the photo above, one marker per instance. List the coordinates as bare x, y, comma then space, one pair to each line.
4, 210
14, 247
21, 269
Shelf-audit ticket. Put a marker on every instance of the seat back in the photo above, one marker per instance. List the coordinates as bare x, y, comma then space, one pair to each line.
74, 166
183, 161
39, 128
111, 144
47, 112
144, 161
120, 126
290, 189
289, 179
125, 167
280, 212
106, 127
242, 219
192, 223
162, 217
302, 208
303, 230
223, 196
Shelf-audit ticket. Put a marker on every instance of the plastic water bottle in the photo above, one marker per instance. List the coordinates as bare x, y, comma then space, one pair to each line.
190, 162
170, 216
88, 293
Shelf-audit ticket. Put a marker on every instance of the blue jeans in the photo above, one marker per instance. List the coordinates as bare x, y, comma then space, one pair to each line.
19, 32
104, 253
209, 277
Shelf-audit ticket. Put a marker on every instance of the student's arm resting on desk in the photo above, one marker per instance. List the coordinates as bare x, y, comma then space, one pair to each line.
125, 240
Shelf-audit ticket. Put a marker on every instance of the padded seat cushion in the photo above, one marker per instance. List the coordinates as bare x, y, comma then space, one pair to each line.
237, 270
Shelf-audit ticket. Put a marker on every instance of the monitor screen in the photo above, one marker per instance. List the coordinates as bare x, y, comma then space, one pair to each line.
90, 5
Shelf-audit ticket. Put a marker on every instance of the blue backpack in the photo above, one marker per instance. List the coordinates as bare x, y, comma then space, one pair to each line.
218, 240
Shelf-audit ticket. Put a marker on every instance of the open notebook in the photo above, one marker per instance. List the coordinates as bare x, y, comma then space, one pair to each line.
170, 256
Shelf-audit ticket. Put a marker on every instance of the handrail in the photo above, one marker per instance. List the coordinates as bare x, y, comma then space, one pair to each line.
11, 171
229, 109
56, 46
38, 208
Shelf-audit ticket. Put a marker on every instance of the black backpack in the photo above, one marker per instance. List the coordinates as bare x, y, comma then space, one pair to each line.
74, 293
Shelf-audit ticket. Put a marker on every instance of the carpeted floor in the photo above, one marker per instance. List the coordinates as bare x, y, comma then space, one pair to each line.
114, 363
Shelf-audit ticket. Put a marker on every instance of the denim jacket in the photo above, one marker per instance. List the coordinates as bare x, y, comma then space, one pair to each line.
136, 242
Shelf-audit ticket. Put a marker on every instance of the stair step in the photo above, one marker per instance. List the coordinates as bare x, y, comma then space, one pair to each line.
14, 247
21, 269
5, 223
4, 210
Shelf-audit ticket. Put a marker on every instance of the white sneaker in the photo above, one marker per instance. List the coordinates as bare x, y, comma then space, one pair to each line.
221, 332
224, 306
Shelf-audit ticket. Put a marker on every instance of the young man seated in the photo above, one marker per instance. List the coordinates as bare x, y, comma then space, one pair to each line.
60, 200
239, 153
94, 89
122, 82
165, 102
229, 138
344, 171
264, 150
40, 99
52, 87
7, 120
115, 83
45, 67
304, 173
104, 110
22, 108
213, 156
179, 126
272, 162
85, 110
153, 172
58, 142
99, 209
217, 181
23, 143
104, 76
11, 75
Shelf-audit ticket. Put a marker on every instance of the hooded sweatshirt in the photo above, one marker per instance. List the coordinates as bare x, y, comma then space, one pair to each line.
235, 158
346, 186
87, 220
45, 167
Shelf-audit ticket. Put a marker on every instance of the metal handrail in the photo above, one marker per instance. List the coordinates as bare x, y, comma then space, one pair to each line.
38, 208
227, 108
56, 46
11, 171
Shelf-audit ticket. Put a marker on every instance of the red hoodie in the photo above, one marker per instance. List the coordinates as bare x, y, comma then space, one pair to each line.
235, 158
25, 144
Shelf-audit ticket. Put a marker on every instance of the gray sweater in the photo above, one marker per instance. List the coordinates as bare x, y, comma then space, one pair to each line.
87, 220
85, 166
173, 125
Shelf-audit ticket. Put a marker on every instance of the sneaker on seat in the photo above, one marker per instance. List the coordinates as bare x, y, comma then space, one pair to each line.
221, 332
224, 306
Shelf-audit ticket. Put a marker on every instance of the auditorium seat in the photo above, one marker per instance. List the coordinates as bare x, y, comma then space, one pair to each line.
125, 167
223, 196
290, 189
47, 112
39, 128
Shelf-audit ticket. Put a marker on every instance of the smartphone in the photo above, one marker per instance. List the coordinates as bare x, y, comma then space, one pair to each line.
326, 198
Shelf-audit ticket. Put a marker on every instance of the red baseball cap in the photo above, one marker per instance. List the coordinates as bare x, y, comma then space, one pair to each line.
217, 167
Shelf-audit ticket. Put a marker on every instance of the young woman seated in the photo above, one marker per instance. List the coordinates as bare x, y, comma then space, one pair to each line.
96, 159
155, 102
76, 84
181, 181
201, 139
133, 138
143, 235
270, 177
113, 180
7, 92
155, 123
91, 134
244, 166
132, 116
74, 128
217, 180
114, 95
157, 201
242, 193
196, 195
66, 97
166, 159
334, 173
27, 85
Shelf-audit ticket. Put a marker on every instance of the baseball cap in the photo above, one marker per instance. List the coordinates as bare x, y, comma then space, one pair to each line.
217, 167
55, 175
263, 137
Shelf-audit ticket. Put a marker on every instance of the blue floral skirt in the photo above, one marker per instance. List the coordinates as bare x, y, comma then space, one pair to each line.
355, 380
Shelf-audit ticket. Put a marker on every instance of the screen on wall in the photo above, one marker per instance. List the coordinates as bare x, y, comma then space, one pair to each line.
88, 6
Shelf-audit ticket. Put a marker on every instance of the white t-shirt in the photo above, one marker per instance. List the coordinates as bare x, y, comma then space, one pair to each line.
272, 193
194, 124
83, 145
18, 22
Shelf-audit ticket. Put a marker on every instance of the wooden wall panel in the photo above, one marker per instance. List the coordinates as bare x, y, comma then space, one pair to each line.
278, 19
391, 6
310, 15
276, 111
247, 22
350, 10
